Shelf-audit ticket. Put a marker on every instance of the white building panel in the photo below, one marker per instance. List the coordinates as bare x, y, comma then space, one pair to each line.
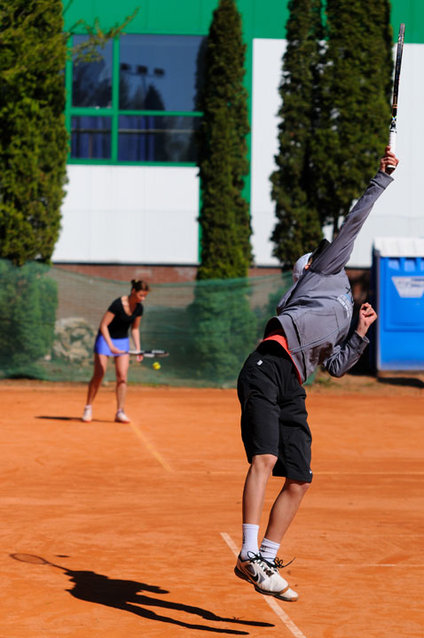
400, 209
130, 214
266, 101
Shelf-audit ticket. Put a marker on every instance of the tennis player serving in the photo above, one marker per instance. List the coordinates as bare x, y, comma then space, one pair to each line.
313, 326
113, 341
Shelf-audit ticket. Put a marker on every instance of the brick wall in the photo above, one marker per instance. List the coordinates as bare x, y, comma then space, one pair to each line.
359, 278
152, 274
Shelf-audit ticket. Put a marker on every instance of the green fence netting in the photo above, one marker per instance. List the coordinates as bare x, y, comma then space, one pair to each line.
49, 318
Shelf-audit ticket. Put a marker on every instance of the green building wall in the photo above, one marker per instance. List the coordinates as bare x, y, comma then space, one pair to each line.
261, 18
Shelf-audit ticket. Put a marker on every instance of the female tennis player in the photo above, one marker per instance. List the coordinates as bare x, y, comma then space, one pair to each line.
112, 340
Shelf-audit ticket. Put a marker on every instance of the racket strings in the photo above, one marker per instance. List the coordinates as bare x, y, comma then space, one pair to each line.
29, 558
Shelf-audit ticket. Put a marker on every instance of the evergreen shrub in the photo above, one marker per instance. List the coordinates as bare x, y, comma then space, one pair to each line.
33, 137
224, 328
28, 302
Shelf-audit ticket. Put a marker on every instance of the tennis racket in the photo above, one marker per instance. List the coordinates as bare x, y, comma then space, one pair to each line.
149, 354
398, 64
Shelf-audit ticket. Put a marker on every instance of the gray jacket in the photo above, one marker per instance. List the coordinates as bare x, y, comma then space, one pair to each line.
316, 313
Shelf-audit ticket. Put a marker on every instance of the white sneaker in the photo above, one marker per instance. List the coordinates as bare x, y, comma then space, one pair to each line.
265, 577
87, 414
290, 595
121, 417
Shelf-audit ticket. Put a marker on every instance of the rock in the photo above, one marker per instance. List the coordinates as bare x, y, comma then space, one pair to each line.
74, 340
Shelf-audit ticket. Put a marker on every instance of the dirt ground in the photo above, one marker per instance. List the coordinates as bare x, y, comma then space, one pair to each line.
138, 524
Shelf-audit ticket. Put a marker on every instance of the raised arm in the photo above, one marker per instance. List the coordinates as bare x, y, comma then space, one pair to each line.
337, 254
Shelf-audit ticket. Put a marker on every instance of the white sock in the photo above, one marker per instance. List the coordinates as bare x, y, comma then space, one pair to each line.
269, 549
250, 540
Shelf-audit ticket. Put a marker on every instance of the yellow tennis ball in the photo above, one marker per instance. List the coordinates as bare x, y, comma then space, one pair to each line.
156, 365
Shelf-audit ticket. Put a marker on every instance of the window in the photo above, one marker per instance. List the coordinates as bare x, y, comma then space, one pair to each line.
156, 138
90, 137
92, 80
158, 72
135, 100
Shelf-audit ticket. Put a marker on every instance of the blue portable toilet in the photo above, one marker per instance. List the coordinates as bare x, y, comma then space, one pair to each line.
398, 276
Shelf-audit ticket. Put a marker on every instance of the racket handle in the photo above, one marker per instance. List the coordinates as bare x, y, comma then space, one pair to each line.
392, 144
392, 140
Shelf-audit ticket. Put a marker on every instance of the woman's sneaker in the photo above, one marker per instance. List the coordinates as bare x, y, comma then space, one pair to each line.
121, 417
265, 577
87, 414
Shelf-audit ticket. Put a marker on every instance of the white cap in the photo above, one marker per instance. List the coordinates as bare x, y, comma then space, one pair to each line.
299, 266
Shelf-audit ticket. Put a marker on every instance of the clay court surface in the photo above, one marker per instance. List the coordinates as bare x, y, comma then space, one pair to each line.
141, 520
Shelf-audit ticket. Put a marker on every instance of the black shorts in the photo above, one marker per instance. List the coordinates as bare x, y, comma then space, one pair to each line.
273, 412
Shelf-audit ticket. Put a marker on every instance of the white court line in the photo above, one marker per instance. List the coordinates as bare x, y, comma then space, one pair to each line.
294, 630
350, 472
362, 565
150, 447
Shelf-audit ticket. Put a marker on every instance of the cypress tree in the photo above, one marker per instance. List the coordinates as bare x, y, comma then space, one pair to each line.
298, 228
224, 217
33, 151
225, 323
33, 138
356, 88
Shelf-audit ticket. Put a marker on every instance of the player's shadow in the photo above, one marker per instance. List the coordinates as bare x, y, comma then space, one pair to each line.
133, 597
75, 419
59, 418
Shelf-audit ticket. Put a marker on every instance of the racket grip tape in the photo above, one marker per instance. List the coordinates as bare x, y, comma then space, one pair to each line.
392, 141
